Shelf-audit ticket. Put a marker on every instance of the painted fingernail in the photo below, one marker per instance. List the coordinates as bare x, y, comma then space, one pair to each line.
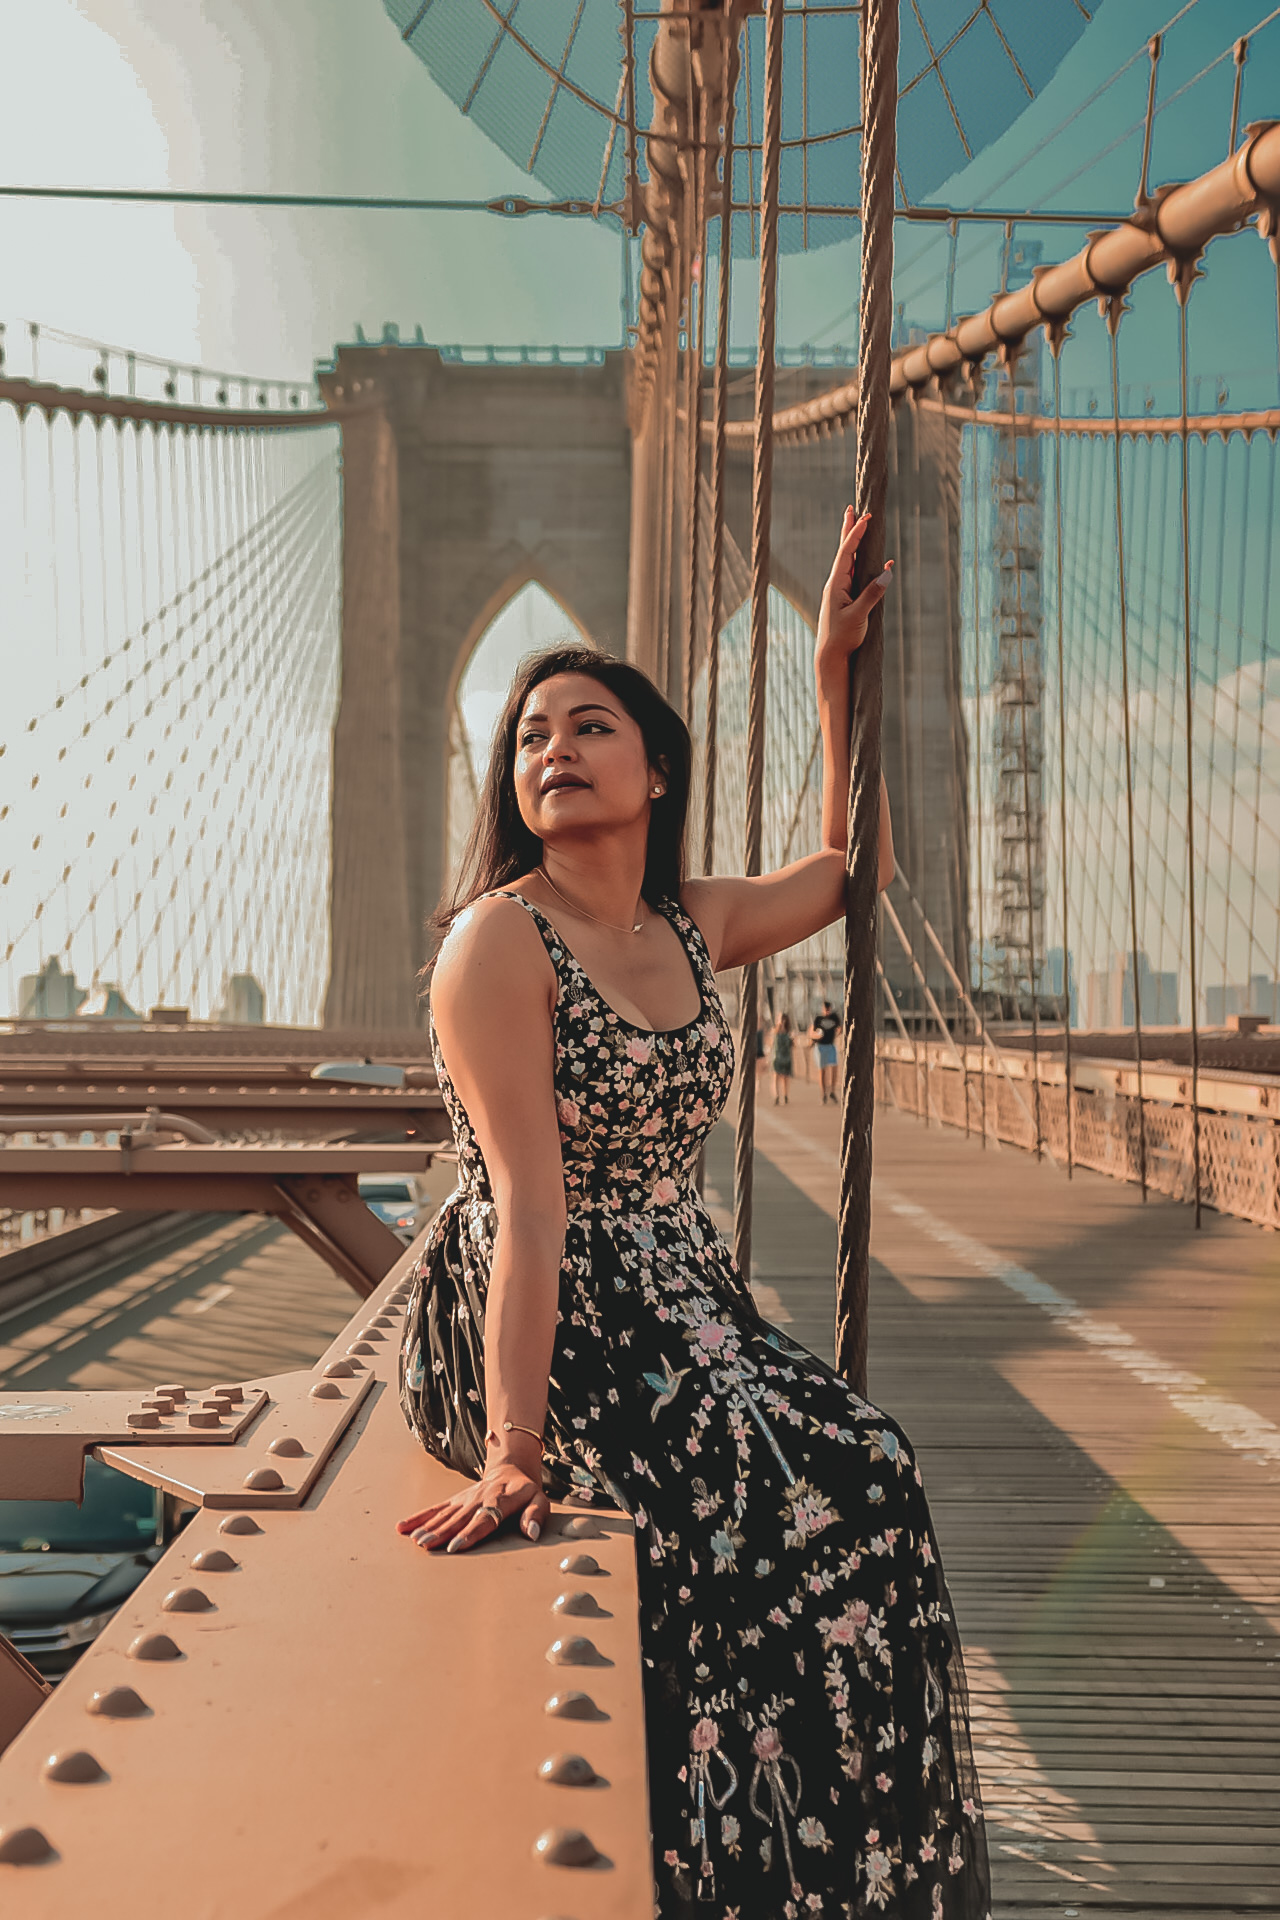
534, 1530
883, 579
454, 1544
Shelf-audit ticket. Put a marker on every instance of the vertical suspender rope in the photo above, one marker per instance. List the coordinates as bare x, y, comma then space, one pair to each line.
910, 773
697, 202
875, 321
1184, 294
1055, 338
761, 506
1026, 754
719, 442
665, 400
955, 799
977, 713
1115, 309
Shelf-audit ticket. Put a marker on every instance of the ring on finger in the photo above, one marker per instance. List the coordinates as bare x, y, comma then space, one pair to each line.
494, 1513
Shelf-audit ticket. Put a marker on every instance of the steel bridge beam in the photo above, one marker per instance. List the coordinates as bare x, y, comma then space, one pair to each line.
385, 1721
312, 1190
1171, 228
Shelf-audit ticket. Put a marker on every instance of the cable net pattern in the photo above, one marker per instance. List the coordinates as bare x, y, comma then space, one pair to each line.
171, 646
545, 80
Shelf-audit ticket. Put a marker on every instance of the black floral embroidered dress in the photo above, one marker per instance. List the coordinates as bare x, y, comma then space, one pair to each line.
808, 1738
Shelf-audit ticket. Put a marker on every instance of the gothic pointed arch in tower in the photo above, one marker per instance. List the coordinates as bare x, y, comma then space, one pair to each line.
463, 480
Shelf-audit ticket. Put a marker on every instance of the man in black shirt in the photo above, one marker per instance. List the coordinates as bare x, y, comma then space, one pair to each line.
823, 1032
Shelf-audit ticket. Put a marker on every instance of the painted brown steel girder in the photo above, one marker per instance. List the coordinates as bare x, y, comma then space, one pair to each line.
1171, 229
288, 1629
312, 1190
307, 1111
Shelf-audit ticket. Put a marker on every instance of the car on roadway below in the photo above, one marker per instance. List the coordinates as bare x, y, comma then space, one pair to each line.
397, 1201
65, 1569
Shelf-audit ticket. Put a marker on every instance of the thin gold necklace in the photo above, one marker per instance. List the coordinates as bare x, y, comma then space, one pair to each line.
613, 928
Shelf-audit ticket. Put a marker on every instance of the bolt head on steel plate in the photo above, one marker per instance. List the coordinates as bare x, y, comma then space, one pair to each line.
186, 1600
154, 1646
568, 1770
117, 1703
213, 1560
24, 1846
580, 1563
573, 1705
584, 1605
575, 1650
566, 1847
73, 1767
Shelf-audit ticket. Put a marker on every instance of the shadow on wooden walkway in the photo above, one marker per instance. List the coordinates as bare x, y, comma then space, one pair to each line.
1093, 1390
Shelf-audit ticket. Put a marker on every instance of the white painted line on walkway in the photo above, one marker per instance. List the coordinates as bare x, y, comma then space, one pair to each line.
210, 1299
1249, 1433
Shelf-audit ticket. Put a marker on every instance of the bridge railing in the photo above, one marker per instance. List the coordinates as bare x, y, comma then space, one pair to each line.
1099, 1120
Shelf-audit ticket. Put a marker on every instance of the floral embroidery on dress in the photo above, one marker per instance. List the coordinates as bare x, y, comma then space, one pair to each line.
809, 1748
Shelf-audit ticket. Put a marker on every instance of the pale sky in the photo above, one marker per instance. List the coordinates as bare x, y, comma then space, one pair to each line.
321, 96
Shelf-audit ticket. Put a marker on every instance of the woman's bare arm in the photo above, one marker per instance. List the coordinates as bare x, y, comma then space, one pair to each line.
744, 919
492, 999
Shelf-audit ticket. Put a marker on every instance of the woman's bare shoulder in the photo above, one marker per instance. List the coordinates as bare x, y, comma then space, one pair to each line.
492, 949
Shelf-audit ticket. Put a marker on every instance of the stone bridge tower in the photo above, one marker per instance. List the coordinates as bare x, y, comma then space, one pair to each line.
461, 481
464, 480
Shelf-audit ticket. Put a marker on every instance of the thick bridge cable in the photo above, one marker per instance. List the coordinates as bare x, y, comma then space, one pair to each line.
879, 113
720, 414
761, 511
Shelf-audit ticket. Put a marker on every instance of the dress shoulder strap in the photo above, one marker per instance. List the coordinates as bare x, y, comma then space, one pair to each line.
550, 938
690, 934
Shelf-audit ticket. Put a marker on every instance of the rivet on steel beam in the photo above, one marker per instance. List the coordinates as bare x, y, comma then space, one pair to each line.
171, 1393
74, 1768
568, 1770
325, 1390
234, 1394
263, 1480
204, 1417
581, 1527
24, 1846
360, 1346
383, 1320
288, 1446
186, 1600
580, 1563
573, 1705
213, 1560
339, 1370
566, 1847
239, 1523
575, 1650
372, 1332
580, 1605
154, 1646
117, 1703
145, 1419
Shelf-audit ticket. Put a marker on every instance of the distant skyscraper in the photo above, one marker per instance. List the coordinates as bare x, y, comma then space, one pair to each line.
1052, 979
243, 1003
1110, 997
1261, 996
50, 994
106, 1002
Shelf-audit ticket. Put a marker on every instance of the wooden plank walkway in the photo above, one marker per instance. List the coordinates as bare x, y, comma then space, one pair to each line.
1093, 1390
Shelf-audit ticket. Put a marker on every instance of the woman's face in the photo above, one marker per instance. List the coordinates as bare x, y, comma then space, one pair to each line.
580, 760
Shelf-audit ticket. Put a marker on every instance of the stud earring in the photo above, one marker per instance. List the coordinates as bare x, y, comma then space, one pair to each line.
656, 793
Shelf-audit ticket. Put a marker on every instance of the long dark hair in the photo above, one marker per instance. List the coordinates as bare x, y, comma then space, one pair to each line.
501, 846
